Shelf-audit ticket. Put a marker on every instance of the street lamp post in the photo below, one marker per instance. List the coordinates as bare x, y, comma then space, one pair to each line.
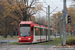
64, 24
48, 22
69, 29
60, 27
74, 29
55, 25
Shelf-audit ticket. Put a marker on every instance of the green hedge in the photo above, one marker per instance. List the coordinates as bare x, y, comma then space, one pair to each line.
70, 40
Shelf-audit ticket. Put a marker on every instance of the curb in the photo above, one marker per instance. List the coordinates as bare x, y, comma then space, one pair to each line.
63, 46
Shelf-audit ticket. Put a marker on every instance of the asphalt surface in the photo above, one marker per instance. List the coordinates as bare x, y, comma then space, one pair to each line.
3, 42
34, 47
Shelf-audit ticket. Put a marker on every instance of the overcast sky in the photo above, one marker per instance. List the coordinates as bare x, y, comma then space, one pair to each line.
53, 4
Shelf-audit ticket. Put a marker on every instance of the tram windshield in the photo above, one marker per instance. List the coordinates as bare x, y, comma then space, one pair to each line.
24, 30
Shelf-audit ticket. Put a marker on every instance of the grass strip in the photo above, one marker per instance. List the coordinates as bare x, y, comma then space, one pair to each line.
56, 41
14, 37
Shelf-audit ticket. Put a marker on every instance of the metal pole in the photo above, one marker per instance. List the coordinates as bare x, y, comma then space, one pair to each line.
60, 27
74, 30
69, 29
46, 16
64, 24
48, 22
55, 25
0, 37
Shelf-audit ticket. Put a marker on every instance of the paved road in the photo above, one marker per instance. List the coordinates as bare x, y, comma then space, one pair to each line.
33, 47
2, 42
11, 40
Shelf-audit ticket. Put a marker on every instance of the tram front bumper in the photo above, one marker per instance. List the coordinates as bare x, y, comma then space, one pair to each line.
25, 41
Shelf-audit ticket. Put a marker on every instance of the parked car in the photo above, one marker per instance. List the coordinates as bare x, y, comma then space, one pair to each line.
56, 34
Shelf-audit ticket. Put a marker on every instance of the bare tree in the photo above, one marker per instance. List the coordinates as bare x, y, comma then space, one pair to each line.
41, 20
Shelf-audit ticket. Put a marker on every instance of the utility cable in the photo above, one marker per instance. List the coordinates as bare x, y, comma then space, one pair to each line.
45, 2
54, 4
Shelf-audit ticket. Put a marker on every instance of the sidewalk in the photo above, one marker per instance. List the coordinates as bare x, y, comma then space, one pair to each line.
5, 42
35, 47
9, 39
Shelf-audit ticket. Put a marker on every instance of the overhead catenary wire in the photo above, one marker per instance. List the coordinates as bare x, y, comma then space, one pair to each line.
54, 4
52, 11
46, 3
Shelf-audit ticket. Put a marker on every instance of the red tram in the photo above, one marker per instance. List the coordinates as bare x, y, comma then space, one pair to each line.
30, 32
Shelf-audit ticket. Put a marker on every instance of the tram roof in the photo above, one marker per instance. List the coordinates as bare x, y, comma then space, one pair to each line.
30, 22
26, 22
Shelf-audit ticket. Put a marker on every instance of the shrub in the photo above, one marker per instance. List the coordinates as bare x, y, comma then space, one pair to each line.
70, 40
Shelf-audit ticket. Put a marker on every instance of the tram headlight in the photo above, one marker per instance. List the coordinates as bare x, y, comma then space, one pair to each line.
19, 38
29, 38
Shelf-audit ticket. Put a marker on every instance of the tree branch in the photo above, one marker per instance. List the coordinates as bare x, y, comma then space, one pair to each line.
31, 3
33, 13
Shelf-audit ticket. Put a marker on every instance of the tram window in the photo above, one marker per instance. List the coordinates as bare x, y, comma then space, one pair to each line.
41, 30
31, 31
44, 32
37, 31
47, 31
50, 32
24, 25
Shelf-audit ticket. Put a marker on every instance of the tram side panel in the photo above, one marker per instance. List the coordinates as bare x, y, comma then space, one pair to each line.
39, 35
36, 35
43, 34
51, 35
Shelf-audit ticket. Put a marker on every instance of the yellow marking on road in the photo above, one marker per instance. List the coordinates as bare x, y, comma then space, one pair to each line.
29, 48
